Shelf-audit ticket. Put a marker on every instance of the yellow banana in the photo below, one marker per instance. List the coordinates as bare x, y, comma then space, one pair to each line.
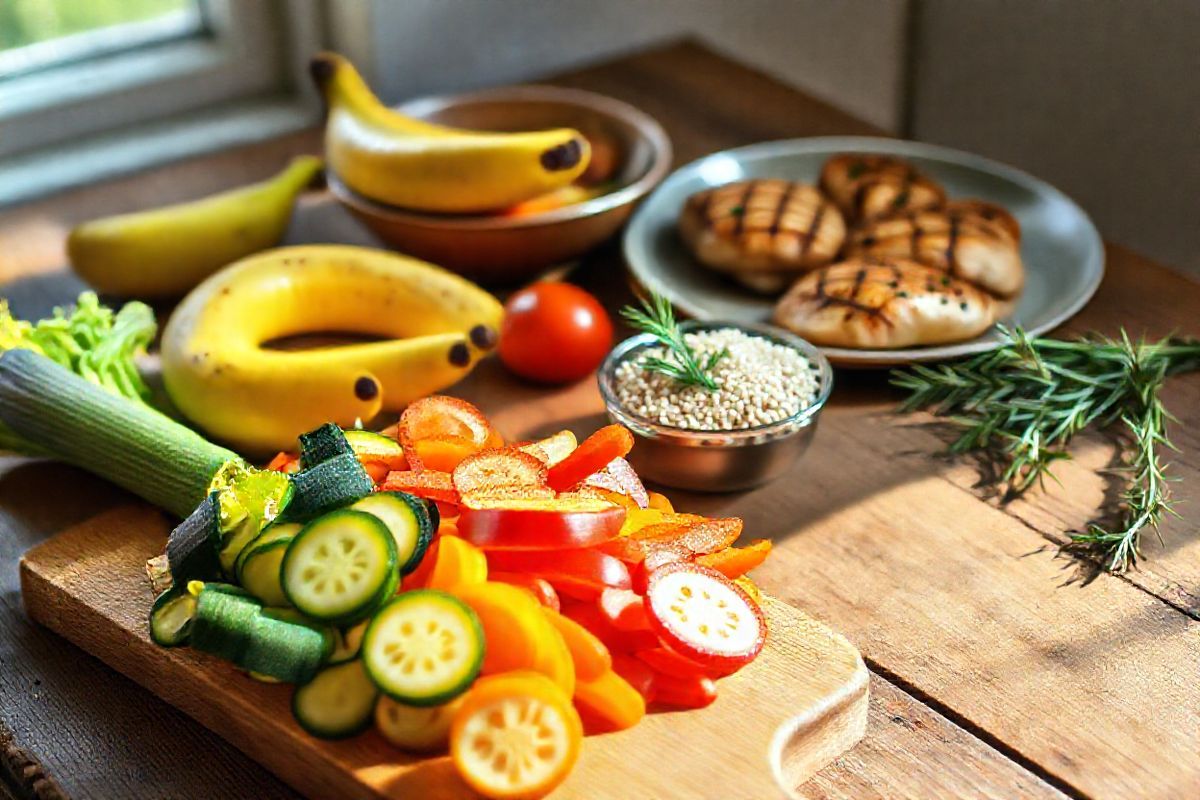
434, 325
406, 162
167, 251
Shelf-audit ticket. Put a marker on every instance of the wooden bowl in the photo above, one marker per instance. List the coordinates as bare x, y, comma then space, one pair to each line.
629, 148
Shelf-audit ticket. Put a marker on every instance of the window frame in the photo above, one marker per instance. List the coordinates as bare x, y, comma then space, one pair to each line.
237, 57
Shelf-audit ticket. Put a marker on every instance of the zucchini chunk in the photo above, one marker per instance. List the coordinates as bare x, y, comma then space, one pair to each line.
171, 617
407, 517
329, 485
224, 621
321, 444
414, 728
340, 567
276, 532
289, 651
337, 703
193, 548
424, 648
259, 573
348, 642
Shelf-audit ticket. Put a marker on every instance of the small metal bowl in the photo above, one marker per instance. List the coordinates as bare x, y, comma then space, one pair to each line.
499, 249
716, 461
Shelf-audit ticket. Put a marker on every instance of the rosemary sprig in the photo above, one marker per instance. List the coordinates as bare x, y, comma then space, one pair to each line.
657, 318
1023, 402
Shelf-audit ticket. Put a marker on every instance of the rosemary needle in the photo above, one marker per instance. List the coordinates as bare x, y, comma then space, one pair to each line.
657, 318
1023, 402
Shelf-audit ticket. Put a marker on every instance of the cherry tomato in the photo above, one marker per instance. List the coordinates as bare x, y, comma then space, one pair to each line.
554, 333
703, 616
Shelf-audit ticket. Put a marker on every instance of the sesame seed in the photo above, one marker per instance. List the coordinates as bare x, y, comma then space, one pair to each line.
760, 382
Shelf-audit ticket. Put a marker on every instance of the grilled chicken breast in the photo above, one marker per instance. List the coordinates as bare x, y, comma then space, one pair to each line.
970, 239
763, 232
866, 187
885, 303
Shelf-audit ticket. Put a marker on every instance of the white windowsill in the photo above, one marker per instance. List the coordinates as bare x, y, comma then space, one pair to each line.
42, 172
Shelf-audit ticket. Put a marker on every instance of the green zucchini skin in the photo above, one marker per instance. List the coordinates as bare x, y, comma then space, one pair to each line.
321, 444
338, 703
373, 534
408, 518
224, 621
169, 603
289, 651
327, 486
194, 546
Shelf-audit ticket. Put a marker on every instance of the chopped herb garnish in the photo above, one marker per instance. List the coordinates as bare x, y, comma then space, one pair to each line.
657, 318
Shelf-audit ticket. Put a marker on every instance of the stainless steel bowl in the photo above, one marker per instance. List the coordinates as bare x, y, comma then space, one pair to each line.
716, 461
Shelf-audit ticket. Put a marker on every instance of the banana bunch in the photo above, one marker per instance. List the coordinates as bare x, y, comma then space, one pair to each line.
433, 327
165, 252
406, 162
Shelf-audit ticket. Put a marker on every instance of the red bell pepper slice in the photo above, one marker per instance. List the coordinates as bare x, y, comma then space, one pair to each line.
702, 615
667, 662
536, 524
636, 674
697, 691
584, 567
592, 455
589, 615
624, 609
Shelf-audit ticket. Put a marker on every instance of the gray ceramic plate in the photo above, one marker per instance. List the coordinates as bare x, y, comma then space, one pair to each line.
1063, 254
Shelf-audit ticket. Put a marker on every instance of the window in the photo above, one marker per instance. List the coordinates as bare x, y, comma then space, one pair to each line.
86, 86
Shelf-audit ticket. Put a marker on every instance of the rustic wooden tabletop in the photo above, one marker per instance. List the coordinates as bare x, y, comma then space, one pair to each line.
1001, 667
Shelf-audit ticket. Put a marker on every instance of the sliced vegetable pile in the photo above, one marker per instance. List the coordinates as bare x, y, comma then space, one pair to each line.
496, 601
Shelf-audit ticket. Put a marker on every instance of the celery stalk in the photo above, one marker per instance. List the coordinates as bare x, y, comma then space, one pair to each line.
119, 439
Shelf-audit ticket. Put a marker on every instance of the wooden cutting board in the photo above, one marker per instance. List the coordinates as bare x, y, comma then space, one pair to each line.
800, 705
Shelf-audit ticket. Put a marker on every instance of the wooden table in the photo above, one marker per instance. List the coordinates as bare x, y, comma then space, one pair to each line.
1000, 667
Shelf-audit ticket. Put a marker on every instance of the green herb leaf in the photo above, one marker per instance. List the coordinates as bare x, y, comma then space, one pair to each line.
1022, 403
657, 318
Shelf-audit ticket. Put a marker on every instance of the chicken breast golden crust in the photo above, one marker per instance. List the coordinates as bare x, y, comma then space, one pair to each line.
762, 232
971, 239
866, 187
878, 303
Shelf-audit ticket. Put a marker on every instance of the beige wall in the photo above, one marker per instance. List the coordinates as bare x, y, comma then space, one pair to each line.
1099, 97
847, 51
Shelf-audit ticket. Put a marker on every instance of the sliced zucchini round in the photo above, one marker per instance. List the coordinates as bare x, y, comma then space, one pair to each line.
340, 567
276, 532
416, 728
371, 446
407, 517
337, 703
423, 648
260, 572
171, 617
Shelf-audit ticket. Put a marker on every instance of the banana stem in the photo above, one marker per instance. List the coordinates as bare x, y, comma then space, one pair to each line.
119, 439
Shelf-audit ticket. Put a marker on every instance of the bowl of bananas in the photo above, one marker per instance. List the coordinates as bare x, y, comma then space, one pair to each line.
498, 185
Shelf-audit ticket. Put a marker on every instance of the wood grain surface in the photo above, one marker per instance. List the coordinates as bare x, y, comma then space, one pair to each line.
801, 704
1001, 666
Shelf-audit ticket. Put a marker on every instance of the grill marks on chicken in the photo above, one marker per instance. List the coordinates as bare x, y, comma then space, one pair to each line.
762, 232
970, 239
867, 187
885, 303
